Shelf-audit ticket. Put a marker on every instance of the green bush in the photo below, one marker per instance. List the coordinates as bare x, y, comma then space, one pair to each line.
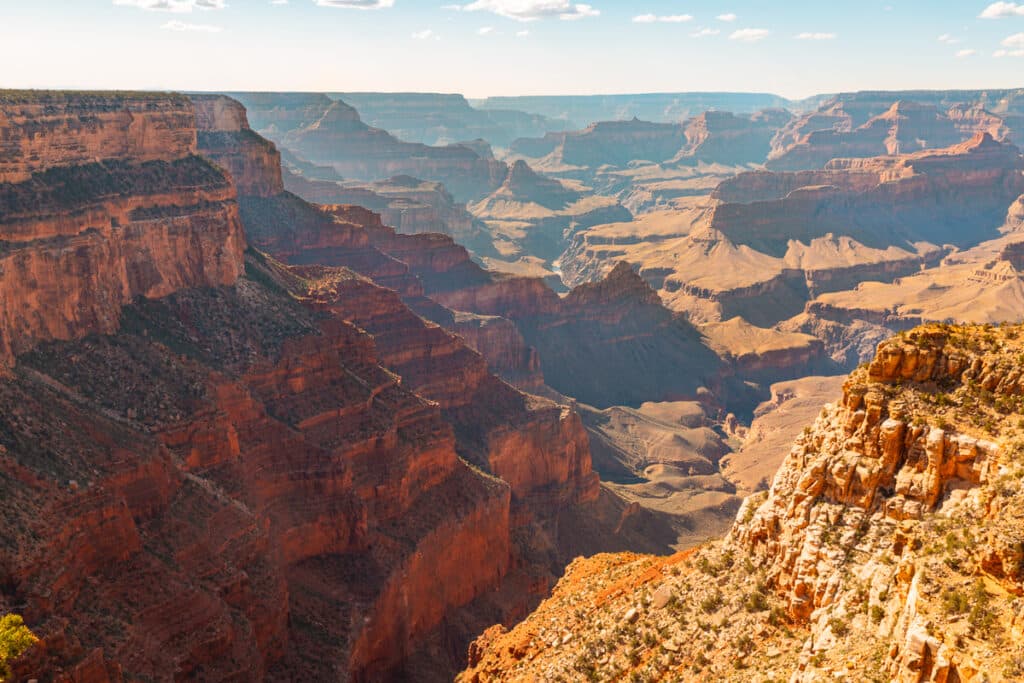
15, 639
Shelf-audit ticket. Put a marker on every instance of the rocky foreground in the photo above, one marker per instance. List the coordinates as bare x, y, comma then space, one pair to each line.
889, 547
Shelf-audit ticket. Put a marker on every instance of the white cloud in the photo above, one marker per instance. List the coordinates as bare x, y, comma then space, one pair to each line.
522, 34
1014, 46
701, 33
816, 36
425, 34
749, 35
485, 30
356, 4
278, 2
181, 26
948, 39
530, 10
960, 54
669, 19
181, 6
728, 16
1015, 41
580, 12
1000, 10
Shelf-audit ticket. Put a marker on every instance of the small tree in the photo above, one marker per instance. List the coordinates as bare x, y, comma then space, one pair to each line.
15, 639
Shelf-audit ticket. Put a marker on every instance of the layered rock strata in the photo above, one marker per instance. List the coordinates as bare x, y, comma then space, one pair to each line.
885, 550
103, 200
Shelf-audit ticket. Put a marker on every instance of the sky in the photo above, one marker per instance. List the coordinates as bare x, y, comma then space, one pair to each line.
512, 47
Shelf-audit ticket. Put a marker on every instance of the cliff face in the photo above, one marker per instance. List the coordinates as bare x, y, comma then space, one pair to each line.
886, 549
598, 335
432, 361
766, 243
869, 124
42, 130
723, 138
225, 137
190, 481
102, 202
957, 195
409, 205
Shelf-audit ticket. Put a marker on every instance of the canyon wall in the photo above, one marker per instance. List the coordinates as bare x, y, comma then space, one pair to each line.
46, 129
957, 195
104, 201
208, 470
224, 136
887, 548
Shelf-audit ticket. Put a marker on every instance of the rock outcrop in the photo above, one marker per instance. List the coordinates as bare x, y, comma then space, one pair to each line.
44, 129
225, 137
104, 201
886, 548
531, 216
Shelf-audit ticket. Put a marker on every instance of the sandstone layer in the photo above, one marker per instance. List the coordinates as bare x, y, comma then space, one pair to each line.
885, 550
104, 201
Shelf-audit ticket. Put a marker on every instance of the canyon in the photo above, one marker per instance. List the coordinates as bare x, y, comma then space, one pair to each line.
331, 133
212, 466
885, 549
346, 386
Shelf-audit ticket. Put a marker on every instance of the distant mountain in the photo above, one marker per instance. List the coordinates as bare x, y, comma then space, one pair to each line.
439, 119
657, 107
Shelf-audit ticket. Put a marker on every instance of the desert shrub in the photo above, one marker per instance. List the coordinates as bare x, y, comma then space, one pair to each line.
839, 626
981, 617
756, 602
955, 602
15, 640
712, 602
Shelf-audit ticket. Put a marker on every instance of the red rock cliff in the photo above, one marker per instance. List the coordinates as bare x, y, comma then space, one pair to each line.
225, 137
41, 130
103, 202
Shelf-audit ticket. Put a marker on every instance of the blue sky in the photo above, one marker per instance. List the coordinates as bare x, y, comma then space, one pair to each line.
512, 47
